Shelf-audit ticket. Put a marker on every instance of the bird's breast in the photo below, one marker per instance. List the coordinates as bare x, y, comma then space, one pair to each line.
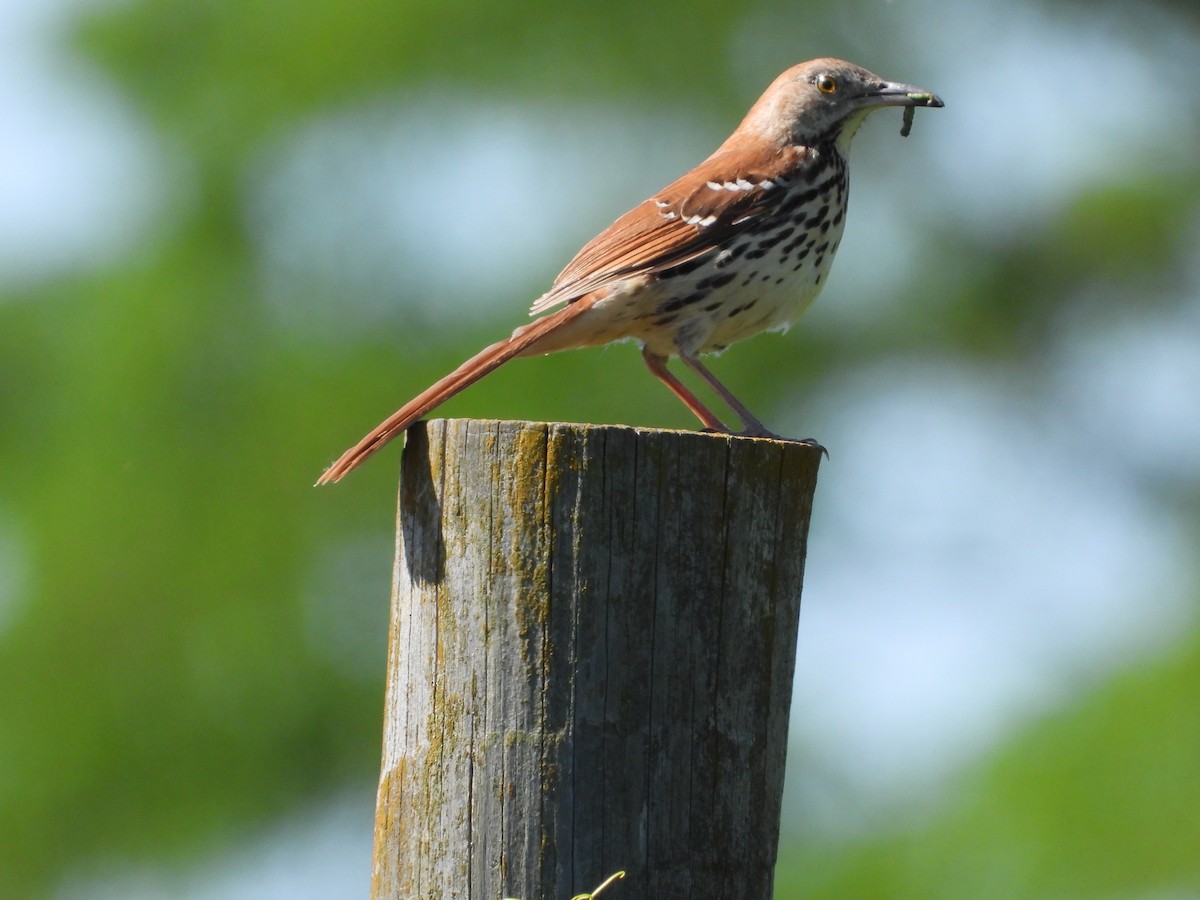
761, 278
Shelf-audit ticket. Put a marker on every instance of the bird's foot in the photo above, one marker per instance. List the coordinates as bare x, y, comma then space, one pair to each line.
761, 432
770, 435
809, 442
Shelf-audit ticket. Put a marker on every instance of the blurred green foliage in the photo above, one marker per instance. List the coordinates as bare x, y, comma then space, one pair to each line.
164, 692
1101, 802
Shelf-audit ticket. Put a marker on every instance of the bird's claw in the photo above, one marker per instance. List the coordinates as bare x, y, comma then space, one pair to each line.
807, 442
770, 436
810, 442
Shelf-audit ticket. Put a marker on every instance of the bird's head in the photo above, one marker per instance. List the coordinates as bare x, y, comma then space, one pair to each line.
825, 101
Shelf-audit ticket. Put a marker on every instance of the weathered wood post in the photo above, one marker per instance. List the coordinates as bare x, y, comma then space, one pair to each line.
590, 666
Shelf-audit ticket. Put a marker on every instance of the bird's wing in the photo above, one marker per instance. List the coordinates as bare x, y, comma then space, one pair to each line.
689, 218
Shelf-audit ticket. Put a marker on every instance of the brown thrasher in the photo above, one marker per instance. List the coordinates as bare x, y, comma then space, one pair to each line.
738, 245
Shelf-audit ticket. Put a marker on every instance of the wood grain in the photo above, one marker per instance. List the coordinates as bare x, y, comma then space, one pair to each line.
590, 661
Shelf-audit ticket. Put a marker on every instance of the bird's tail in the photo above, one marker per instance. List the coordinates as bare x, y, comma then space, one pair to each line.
523, 341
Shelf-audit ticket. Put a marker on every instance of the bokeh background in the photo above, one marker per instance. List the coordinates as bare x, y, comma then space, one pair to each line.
236, 233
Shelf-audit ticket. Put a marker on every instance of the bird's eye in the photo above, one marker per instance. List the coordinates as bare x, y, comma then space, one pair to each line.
826, 84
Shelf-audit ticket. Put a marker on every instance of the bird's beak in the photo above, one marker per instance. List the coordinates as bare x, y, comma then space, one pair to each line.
892, 94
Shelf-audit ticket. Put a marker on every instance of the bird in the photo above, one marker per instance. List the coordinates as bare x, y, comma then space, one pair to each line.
740, 244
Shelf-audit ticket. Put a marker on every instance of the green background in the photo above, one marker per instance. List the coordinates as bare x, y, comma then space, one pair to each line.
192, 638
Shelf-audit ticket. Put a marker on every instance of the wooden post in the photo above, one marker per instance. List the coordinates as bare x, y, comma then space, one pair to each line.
590, 666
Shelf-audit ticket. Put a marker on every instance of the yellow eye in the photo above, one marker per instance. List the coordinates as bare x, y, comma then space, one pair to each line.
826, 84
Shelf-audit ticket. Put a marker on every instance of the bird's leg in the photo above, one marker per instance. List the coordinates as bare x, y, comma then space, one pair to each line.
658, 368
751, 426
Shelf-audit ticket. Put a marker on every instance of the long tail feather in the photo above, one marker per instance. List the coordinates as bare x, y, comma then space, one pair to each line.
485, 361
